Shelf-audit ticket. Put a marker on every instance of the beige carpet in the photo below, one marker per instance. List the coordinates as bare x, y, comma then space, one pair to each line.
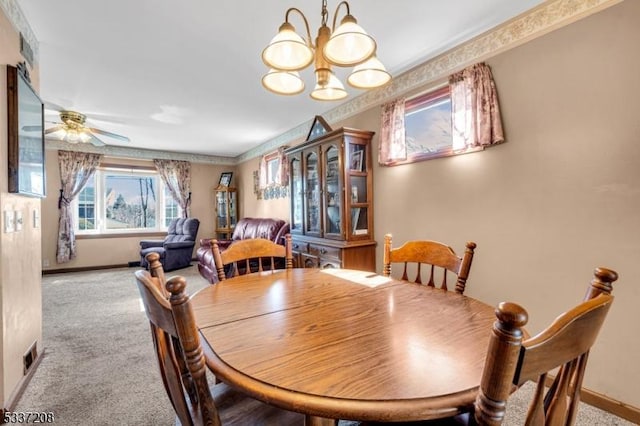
99, 366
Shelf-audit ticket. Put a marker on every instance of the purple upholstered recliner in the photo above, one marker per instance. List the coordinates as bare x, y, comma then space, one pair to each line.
176, 249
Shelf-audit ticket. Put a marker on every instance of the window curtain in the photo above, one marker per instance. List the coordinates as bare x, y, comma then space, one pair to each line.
75, 170
475, 114
392, 141
262, 173
282, 175
177, 176
282, 178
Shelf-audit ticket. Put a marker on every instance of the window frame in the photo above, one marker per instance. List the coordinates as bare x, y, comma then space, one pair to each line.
426, 100
99, 177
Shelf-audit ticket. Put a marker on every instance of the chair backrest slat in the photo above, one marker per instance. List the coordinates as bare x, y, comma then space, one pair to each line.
440, 258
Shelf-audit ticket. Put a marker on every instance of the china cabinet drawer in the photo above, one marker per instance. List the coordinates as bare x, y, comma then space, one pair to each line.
299, 246
324, 251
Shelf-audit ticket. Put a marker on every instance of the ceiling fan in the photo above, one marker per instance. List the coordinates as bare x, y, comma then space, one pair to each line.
73, 130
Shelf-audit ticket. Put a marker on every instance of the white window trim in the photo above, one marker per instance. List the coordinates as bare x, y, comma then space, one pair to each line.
100, 176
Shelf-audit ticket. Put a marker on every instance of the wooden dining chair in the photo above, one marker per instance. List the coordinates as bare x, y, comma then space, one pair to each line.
251, 255
438, 258
182, 366
512, 361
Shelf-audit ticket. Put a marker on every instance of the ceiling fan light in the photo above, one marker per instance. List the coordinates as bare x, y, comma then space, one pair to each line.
329, 90
349, 44
84, 136
369, 74
283, 82
72, 136
59, 134
287, 50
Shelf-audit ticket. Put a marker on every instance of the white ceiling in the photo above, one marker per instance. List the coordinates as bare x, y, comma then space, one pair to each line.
185, 76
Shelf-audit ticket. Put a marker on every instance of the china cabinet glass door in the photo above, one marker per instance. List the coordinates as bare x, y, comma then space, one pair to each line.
312, 193
296, 194
226, 211
332, 193
358, 191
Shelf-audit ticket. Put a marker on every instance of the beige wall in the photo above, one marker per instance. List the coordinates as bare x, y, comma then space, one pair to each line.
558, 199
249, 203
119, 251
561, 197
20, 282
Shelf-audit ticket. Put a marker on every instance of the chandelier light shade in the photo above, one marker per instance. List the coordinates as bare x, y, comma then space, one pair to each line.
349, 44
283, 82
287, 50
369, 74
345, 46
328, 88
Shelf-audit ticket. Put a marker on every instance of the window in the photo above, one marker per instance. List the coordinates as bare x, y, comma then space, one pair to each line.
427, 122
171, 208
117, 201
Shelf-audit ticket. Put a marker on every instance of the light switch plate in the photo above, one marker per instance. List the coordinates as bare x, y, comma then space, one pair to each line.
36, 218
9, 221
18, 219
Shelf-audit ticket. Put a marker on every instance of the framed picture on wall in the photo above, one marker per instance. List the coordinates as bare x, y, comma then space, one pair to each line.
225, 179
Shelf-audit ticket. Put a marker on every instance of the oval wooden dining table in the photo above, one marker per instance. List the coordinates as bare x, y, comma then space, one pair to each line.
344, 344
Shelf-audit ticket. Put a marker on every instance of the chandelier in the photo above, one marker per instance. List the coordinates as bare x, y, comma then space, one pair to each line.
345, 46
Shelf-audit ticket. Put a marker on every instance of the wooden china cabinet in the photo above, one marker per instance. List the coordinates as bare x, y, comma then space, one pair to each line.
226, 211
331, 187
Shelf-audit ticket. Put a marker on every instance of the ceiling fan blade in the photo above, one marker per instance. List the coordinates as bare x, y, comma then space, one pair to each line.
52, 107
31, 128
54, 129
111, 135
95, 141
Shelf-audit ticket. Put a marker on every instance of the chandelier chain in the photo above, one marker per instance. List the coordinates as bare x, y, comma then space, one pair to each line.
325, 13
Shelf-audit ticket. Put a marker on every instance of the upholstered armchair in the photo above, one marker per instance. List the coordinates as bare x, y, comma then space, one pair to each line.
177, 248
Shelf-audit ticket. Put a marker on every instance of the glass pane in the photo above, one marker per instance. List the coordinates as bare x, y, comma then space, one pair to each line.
332, 192
171, 209
232, 209
359, 189
296, 194
312, 194
428, 127
222, 209
359, 221
87, 206
357, 158
130, 201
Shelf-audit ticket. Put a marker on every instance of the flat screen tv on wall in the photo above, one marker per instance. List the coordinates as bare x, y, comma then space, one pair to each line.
25, 125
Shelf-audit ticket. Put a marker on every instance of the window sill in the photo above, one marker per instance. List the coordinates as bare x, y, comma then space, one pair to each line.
122, 235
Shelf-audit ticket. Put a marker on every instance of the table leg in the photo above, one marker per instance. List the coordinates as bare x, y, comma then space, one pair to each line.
319, 421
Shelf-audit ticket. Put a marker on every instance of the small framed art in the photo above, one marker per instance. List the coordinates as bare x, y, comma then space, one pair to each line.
225, 179
356, 161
